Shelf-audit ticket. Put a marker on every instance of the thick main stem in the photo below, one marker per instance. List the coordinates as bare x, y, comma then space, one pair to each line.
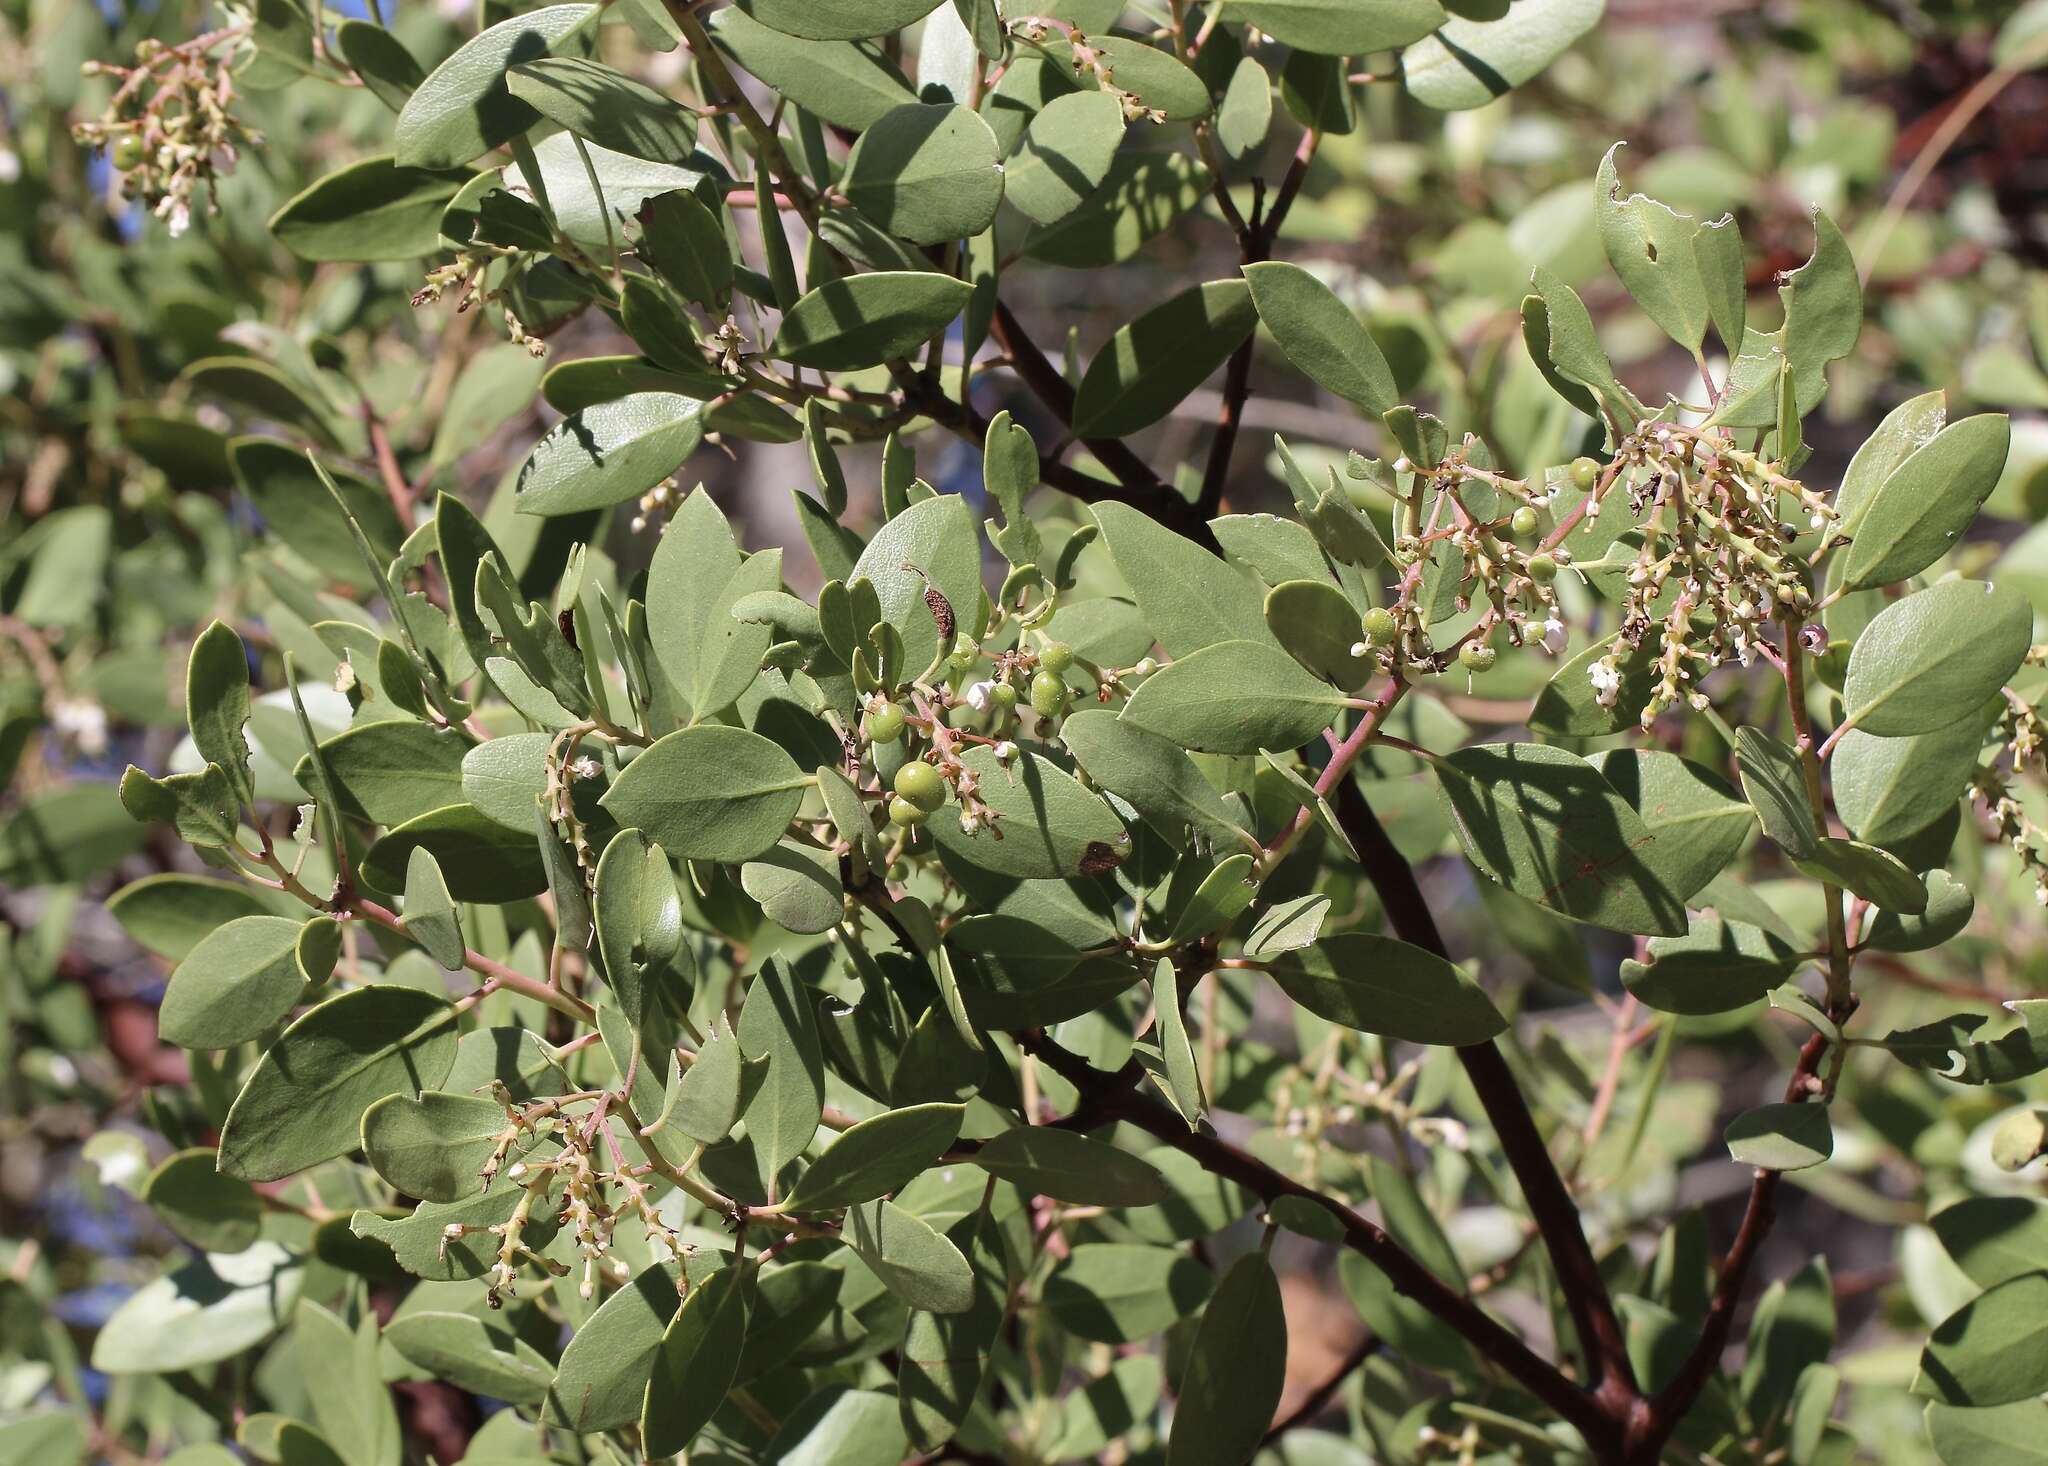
1550, 1201
1116, 1096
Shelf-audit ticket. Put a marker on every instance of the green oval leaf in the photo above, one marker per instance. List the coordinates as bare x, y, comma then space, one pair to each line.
1543, 823
212, 1212
1925, 504
608, 107
239, 980
1319, 334
463, 109
210, 1309
846, 85
710, 793
1469, 63
1049, 825
926, 173
864, 320
697, 1362
838, 20
485, 861
1782, 1137
1933, 658
1235, 1372
1153, 773
609, 452
877, 1156
1340, 27
1156, 360
374, 209
1376, 984
1120, 1293
1991, 1351
304, 1101
602, 1379
1072, 1168
1065, 153
433, 1147
1234, 697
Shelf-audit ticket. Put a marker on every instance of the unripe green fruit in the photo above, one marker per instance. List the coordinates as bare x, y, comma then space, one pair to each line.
1056, 657
903, 812
919, 783
1542, 569
1379, 625
128, 153
1004, 696
1585, 472
1049, 695
1477, 656
1523, 521
885, 723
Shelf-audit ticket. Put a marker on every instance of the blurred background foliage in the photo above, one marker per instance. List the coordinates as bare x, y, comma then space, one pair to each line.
1922, 128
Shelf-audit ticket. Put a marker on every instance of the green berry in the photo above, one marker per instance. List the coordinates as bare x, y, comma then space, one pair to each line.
885, 723
1379, 625
1542, 569
1477, 656
128, 153
903, 812
1524, 520
919, 783
1049, 695
1056, 657
1004, 696
1585, 472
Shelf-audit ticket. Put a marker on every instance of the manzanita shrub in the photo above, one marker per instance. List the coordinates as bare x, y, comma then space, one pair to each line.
908, 1018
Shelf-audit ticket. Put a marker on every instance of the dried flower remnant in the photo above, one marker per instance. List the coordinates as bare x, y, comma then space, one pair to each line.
170, 127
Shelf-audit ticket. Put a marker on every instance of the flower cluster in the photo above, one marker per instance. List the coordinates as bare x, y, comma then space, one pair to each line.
1474, 546
1088, 60
1716, 563
465, 275
583, 1204
2025, 736
170, 126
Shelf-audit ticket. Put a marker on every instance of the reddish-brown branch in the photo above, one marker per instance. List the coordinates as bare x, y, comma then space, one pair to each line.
1550, 1201
1255, 243
395, 481
1115, 1096
1318, 1399
1136, 484
1672, 1402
